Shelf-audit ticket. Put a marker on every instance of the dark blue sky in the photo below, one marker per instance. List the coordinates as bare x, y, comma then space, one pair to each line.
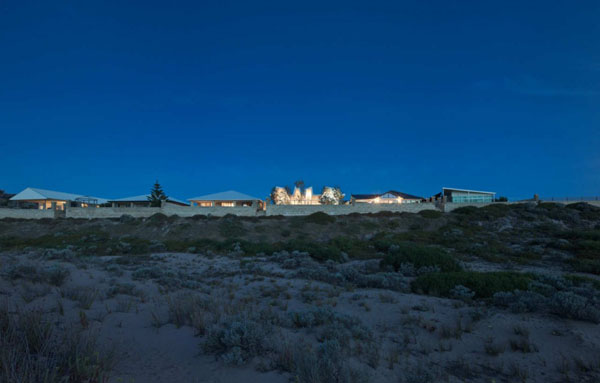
103, 98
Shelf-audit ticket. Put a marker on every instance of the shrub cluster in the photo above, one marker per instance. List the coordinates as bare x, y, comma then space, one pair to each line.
482, 284
239, 338
572, 298
419, 256
32, 351
320, 218
54, 275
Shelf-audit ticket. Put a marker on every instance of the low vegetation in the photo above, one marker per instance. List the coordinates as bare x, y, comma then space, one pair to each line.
33, 350
360, 298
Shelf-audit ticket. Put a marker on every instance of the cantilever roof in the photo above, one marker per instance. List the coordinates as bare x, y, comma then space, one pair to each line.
32, 194
230, 195
144, 198
470, 191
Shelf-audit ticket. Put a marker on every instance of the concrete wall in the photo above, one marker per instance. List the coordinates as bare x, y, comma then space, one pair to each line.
187, 211
167, 209
110, 212
26, 213
361, 208
218, 211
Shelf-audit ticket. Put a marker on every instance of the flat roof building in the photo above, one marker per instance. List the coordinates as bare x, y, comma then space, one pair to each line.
50, 199
467, 196
391, 196
142, 201
230, 198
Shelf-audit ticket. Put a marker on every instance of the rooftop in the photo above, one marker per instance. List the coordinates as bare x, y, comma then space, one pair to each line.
393, 192
230, 195
469, 191
144, 198
43, 194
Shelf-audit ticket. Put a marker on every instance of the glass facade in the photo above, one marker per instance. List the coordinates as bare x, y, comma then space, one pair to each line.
471, 197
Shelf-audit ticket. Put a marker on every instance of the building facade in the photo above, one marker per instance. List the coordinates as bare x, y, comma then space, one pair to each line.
391, 196
467, 196
229, 198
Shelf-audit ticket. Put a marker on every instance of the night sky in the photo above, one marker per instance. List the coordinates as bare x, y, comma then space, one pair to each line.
104, 97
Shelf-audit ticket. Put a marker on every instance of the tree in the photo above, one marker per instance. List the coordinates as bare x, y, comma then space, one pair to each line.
157, 195
300, 185
280, 196
331, 195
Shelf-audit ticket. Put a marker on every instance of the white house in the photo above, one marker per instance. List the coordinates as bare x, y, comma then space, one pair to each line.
49, 199
228, 198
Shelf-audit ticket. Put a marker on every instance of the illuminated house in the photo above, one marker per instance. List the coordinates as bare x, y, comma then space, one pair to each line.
229, 198
142, 201
387, 197
49, 199
281, 196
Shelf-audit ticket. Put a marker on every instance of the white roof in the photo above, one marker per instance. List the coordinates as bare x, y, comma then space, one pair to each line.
230, 195
470, 191
30, 194
144, 198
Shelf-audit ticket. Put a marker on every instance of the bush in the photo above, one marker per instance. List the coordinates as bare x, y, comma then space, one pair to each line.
57, 275
465, 210
431, 214
570, 305
238, 339
32, 351
317, 250
484, 285
319, 218
586, 211
419, 256
329, 363
231, 228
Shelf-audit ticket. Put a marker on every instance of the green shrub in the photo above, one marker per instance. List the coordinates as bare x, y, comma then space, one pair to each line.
319, 218
586, 211
465, 210
484, 285
431, 214
231, 228
419, 256
579, 280
317, 250
591, 266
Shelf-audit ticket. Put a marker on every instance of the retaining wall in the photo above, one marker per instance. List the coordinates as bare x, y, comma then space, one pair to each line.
110, 212
361, 208
26, 213
218, 211
168, 209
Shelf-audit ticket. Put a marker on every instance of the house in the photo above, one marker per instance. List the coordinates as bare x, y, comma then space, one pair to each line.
466, 196
142, 201
305, 196
229, 198
391, 196
299, 196
49, 199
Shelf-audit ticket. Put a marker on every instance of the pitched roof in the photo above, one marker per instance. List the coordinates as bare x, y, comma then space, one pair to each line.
144, 198
230, 195
393, 192
42, 194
